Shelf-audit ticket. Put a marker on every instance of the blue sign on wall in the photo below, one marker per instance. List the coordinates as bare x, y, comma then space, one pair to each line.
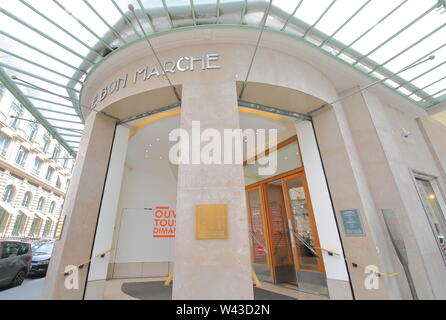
352, 222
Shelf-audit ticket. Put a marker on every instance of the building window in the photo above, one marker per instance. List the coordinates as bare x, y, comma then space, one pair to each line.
49, 174
37, 166
21, 157
65, 163
27, 200
31, 131
9, 194
35, 227
40, 204
19, 224
47, 228
15, 112
3, 220
45, 143
52, 207
56, 152
4, 144
2, 90
58, 183
434, 207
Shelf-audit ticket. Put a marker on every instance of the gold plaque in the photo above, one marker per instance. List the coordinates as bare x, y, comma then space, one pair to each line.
212, 221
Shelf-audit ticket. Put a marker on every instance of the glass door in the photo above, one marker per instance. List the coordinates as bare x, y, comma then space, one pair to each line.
308, 257
258, 234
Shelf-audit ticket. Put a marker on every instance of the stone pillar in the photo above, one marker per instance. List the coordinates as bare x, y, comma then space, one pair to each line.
214, 268
81, 208
350, 190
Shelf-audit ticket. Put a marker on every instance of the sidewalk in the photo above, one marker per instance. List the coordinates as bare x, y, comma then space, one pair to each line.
31, 289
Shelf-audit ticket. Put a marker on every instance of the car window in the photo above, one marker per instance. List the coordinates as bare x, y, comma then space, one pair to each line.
10, 250
45, 248
23, 249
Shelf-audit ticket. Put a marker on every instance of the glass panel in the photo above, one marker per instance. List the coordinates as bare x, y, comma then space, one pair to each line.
287, 159
256, 228
3, 220
46, 229
19, 224
35, 227
280, 236
257, 236
434, 211
303, 233
4, 144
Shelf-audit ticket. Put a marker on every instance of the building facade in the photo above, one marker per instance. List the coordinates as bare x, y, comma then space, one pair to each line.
34, 174
358, 190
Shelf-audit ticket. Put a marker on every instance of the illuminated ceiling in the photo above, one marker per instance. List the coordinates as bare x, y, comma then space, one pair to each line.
53, 44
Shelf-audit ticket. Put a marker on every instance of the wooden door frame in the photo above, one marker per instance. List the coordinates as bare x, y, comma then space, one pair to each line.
285, 222
261, 186
320, 263
265, 227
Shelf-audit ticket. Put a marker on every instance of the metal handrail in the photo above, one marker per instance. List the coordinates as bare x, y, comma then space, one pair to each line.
258, 242
306, 244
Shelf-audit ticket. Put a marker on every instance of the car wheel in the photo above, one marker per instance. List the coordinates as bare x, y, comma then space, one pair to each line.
19, 278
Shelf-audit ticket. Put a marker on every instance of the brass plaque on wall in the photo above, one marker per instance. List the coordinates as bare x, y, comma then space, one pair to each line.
211, 221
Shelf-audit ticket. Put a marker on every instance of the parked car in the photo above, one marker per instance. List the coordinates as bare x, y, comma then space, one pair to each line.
15, 262
41, 258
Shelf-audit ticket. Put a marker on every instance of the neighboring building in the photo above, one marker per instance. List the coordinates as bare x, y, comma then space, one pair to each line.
34, 174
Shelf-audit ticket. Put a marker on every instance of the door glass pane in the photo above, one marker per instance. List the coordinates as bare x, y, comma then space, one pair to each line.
287, 159
434, 210
303, 233
279, 232
283, 262
256, 228
259, 249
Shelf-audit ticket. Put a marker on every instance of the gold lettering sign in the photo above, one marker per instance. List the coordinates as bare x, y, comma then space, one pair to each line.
212, 221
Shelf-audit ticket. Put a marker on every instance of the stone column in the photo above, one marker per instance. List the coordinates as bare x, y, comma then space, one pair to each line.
81, 208
214, 268
350, 190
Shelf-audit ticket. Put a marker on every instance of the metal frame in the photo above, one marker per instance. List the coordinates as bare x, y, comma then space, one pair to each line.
397, 33
118, 31
59, 27
319, 19
27, 104
415, 174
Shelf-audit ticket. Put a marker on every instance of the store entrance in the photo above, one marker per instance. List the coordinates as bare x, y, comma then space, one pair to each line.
282, 229
284, 240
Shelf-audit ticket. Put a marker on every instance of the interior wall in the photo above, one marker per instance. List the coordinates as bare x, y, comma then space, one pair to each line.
149, 181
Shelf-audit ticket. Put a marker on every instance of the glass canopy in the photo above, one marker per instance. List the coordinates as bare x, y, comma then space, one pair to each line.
51, 45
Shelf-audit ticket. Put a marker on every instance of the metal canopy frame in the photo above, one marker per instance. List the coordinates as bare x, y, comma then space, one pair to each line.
91, 43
